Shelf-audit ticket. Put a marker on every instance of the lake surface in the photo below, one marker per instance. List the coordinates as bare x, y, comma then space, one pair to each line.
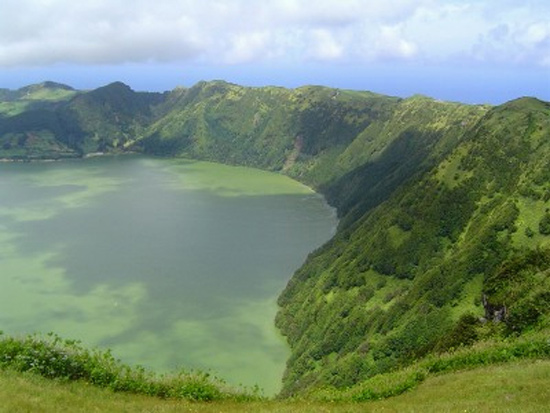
170, 263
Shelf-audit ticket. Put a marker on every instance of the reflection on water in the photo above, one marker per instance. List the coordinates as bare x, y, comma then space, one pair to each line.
169, 263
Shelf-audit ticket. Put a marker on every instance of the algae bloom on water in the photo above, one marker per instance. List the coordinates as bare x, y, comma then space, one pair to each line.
168, 263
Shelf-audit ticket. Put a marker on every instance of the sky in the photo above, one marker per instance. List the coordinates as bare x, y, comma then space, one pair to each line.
472, 51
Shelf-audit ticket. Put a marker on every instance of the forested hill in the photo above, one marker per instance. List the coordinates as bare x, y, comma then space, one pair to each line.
458, 243
445, 208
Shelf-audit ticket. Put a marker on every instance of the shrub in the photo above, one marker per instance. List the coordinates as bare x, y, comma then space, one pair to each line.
463, 334
53, 357
391, 384
544, 224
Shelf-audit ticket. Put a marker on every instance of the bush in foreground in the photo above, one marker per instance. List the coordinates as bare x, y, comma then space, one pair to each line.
56, 358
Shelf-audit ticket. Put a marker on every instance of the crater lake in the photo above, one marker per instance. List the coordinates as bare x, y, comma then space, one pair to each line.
171, 264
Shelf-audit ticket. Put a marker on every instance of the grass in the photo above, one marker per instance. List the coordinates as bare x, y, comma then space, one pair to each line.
36, 95
513, 387
48, 94
522, 386
531, 212
13, 108
533, 346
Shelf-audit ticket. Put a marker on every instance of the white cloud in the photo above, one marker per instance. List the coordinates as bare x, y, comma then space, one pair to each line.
517, 42
42, 32
324, 46
248, 47
338, 13
535, 40
392, 44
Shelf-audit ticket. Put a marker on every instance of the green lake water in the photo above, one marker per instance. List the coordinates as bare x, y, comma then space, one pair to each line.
170, 263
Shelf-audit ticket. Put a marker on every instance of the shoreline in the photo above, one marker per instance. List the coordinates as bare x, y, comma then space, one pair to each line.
90, 155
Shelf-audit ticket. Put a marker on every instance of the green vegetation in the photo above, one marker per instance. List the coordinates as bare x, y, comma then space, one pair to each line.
443, 241
382, 386
440, 247
513, 386
50, 121
55, 358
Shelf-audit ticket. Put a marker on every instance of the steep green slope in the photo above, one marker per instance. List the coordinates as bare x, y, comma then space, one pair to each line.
417, 135
13, 102
407, 277
52, 121
330, 139
272, 128
108, 118
28, 125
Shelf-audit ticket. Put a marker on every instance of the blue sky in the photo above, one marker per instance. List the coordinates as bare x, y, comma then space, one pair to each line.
475, 51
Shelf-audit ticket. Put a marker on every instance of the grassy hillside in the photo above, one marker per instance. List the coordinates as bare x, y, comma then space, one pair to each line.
107, 119
444, 239
28, 126
14, 102
272, 128
50, 121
